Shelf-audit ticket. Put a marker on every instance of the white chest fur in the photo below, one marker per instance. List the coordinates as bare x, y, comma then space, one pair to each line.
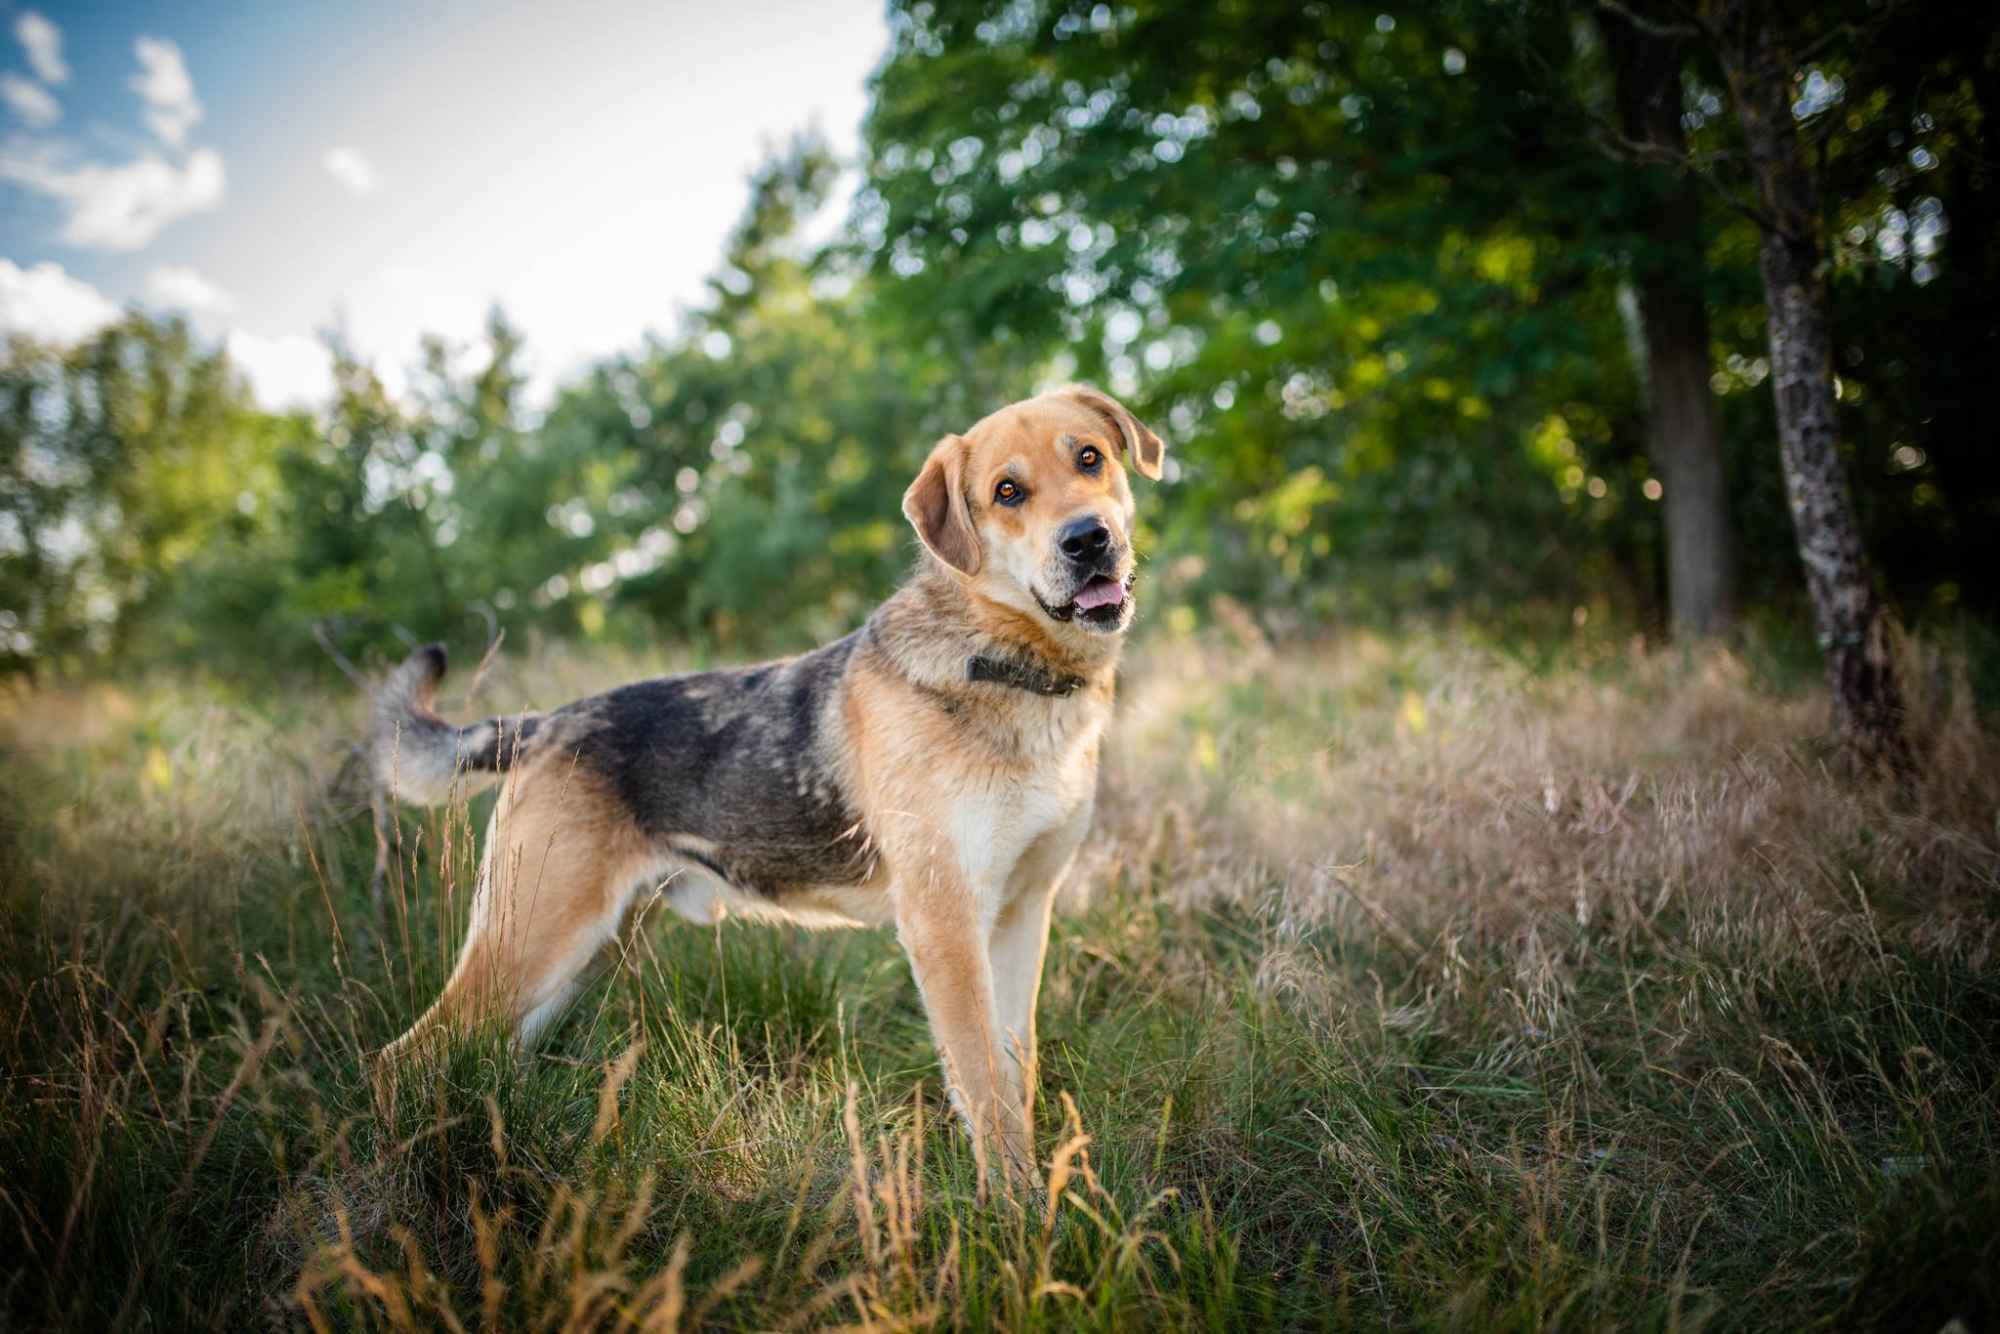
999, 818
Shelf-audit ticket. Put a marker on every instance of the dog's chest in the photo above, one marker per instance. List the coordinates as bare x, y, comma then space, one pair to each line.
997, 817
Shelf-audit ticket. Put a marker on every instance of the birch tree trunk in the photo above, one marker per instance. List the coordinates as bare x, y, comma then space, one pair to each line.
1682, 437
1853, 624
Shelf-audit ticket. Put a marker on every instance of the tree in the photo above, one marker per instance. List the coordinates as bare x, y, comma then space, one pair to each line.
748, 468
1914, 222
1683, 437
1362, 265
120, 459
1854, 625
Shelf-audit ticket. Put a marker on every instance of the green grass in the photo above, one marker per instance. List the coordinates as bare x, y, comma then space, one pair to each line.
1414, 988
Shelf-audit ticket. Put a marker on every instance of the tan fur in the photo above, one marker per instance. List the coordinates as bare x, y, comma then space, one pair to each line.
974, 797
559, 871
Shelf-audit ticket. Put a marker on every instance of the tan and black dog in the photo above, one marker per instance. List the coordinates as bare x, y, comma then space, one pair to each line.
935, 769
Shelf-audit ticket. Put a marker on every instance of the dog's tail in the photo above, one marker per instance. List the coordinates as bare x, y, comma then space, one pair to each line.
418, 757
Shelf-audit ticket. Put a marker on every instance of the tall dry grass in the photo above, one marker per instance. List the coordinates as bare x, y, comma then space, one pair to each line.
1401, 983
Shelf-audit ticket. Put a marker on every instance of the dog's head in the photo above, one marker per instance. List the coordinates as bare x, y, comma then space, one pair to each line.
1031, 508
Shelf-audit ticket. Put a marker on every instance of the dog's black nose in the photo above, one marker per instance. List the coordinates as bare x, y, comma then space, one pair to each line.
1084, 540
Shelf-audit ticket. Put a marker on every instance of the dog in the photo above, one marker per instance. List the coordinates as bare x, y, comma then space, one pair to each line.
934, 770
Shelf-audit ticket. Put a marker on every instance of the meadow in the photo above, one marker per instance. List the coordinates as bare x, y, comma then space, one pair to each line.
1404, 982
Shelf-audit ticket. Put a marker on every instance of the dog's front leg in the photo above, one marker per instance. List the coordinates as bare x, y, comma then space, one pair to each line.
943, 929
1018, 941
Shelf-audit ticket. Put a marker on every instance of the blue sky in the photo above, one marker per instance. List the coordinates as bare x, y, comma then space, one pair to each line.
274, 168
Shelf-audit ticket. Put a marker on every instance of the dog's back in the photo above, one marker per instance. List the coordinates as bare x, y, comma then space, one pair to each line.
739, 770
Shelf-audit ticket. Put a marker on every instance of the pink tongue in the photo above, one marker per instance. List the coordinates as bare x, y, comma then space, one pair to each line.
1100, 592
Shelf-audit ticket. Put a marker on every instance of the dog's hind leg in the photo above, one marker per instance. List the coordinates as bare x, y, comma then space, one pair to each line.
560, 867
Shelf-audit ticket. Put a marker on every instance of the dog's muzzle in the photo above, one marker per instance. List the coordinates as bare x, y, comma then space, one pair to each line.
1098, 597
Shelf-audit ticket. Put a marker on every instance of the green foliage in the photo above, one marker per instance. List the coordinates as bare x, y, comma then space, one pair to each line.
396, 515
1374, 259
1359, 267
1367, 272
120, 460
1897, 107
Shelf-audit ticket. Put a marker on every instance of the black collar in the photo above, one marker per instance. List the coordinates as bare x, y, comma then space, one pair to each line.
1022, 676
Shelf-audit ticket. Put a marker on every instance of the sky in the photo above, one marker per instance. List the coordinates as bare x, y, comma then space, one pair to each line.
275, 170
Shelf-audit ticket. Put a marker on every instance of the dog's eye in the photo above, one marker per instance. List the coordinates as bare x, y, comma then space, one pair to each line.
1010, 492
1088, 458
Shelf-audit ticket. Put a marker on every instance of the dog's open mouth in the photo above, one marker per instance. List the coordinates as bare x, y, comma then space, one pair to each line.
1100, 602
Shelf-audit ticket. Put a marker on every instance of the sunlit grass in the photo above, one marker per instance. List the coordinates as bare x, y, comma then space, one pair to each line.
1400, 983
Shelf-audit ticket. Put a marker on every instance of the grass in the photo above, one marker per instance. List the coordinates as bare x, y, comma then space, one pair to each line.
1401, 984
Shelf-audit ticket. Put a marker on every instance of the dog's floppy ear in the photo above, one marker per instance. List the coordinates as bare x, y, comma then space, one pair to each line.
1143, 449
935, 507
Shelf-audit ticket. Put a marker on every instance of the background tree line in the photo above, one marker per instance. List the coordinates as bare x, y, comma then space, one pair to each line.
1445, 309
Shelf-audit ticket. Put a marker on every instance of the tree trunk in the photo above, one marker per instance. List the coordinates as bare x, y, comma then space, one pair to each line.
1848, 612
1682, 437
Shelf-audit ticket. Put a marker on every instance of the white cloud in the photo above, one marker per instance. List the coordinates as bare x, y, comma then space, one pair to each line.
590, 254
47, 303
383, 315
179, 287
352, 170
29, 100
122, 207
43, 42
292, 371
163, 81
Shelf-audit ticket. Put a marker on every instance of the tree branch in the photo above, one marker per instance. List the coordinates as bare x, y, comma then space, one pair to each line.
324, 639
1652, 27
1619, 147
